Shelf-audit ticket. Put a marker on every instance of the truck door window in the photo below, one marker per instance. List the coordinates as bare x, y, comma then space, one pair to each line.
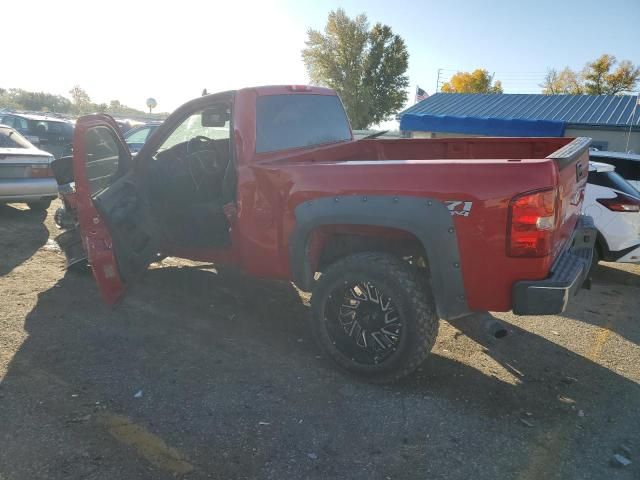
296, 121
192, 128
103, 158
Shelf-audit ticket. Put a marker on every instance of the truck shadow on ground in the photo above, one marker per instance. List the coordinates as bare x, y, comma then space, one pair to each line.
613, 302
216, 353
23, 233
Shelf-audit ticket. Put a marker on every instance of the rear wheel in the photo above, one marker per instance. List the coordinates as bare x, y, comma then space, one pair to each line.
39, 205
373, 316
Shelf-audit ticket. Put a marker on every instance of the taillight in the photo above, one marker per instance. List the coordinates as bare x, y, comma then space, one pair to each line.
532, 220
621, 203
41, 171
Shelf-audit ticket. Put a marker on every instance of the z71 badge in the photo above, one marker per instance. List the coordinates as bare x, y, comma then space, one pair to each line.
457, 207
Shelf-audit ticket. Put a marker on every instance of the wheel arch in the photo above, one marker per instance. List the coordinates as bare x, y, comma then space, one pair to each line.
426, 219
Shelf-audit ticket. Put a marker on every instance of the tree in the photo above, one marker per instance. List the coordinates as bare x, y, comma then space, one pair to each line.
81, 100
599, 79
478, 81
596, 78
19, 99
366, 67
565, 82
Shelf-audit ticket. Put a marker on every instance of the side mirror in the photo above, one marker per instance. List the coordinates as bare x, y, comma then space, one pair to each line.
215, 116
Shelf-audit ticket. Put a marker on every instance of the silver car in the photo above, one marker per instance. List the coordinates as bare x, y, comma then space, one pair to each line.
25, 172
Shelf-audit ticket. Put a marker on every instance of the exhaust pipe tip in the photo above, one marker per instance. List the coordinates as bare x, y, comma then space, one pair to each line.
494, 328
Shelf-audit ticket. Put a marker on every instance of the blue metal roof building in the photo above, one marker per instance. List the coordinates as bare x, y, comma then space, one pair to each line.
522, 115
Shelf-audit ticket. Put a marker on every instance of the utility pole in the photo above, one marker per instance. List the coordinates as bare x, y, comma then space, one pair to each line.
438, 80
633, 115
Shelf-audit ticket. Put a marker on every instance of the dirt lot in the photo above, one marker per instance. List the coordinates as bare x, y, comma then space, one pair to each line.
204, 373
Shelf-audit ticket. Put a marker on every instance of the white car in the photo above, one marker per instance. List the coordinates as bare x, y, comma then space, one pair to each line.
25, 172
627, 164
615, 207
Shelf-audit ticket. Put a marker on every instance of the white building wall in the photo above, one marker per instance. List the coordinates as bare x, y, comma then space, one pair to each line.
615, 140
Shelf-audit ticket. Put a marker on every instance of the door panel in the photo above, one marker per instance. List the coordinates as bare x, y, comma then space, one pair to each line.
117, 230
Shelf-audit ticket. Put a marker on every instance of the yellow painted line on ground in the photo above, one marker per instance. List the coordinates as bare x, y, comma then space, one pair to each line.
148, 445
601, 337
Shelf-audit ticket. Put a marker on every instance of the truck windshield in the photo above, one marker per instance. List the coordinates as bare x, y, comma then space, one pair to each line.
294, 121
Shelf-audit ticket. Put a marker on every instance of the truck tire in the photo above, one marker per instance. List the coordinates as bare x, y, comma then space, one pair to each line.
39, 205
374, 316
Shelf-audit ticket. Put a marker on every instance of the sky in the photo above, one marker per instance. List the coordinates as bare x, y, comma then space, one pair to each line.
133, 50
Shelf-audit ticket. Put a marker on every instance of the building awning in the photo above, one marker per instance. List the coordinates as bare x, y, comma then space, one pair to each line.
499, 127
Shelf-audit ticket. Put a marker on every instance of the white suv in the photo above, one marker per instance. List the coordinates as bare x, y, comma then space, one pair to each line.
615, 207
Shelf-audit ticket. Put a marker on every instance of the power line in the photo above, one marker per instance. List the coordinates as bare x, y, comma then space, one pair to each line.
512, 81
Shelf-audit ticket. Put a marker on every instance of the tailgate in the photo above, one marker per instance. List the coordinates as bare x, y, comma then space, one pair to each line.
572, 162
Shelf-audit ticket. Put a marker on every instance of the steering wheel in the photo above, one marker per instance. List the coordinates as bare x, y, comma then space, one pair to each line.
196, 142
204, 162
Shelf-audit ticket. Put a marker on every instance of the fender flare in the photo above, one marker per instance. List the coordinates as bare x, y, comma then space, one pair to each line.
429, 220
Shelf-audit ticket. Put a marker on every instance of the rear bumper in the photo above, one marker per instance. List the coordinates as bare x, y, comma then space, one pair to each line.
551, 296
27, 189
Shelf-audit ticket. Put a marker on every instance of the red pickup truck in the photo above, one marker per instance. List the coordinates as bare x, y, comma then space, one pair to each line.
388, 235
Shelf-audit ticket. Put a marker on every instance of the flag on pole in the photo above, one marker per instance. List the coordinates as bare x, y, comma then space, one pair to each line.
420, 94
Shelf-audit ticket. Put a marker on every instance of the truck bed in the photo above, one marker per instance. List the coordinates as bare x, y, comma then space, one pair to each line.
434, 149
485, 172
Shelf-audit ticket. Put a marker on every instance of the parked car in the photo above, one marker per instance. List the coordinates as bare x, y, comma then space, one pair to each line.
127, 124
53, 135
25, 173
627, 164
137, 136
388, 235
614, 206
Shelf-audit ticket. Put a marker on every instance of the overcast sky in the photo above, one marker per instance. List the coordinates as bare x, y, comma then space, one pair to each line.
131, 50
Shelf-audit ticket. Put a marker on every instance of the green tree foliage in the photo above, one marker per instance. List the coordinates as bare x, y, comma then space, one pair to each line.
81, 101
367, 67
602, 76
117, 108
16, 98
478, 81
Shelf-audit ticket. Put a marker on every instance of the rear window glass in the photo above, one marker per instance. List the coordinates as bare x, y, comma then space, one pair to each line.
612, 180
295, 121
57, 128
12, 139
626, 168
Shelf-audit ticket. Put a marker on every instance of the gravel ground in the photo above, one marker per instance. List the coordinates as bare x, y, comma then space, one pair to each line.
204, 373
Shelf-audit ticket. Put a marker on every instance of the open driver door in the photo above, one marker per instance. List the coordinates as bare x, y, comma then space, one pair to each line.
118, 231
